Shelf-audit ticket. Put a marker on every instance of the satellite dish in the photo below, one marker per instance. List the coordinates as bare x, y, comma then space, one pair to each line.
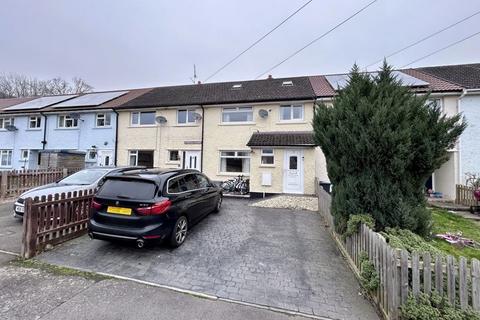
75, 116
197, 116
11, 128
263, 113
160, 119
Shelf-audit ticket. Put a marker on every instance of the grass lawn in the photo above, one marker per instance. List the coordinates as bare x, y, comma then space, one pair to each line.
444, 221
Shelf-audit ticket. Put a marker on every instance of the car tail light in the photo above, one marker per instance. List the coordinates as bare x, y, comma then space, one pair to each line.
96, 205
156, 209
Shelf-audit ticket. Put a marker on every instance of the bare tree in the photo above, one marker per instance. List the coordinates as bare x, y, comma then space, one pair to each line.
17, 85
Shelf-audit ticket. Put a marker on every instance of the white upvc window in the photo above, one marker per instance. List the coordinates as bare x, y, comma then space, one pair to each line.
24, 154
103, 120
173, 155
146, 118
5, 158
5, 122
237, 114
186, 116
291, 112
267, 157
235, 162
35, 122
65, 121
133, 158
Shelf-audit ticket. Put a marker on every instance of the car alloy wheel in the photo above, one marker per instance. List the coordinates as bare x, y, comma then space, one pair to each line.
181, 228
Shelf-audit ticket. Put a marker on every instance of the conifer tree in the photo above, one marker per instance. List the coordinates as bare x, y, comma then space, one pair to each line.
382, 142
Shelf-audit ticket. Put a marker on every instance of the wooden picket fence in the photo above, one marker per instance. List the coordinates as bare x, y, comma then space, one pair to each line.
15, 182
54, 219
464, 196
401, 272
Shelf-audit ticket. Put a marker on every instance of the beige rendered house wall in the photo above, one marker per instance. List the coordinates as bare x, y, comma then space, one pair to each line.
159, 137
220, 136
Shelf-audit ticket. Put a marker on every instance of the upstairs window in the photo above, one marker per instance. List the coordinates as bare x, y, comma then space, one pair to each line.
65, 121
142, 118
103, 120
267, 157
5, 122
238, 114
35, 123
186, 116
291, 112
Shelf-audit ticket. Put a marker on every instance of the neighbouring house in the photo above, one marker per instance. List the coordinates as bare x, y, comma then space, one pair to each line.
443, 93
468, 77
215, 127
64, 124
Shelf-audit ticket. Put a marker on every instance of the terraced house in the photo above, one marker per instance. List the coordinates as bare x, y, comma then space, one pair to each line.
260, 129
79, 125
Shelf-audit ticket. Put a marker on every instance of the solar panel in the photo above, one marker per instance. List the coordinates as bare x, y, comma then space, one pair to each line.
340, 81
90, 99
40, 103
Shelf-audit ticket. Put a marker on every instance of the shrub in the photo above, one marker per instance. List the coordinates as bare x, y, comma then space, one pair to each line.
434, 307
368, 275
406, 239
354, 222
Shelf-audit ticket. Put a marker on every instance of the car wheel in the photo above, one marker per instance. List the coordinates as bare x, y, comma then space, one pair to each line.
218, 206
179, 232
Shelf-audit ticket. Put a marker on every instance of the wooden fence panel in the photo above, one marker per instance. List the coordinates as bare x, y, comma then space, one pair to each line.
464, 196
415, 274
475, 284
54, 219
427, 273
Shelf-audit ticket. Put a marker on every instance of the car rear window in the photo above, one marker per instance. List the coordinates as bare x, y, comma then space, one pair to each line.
128, 189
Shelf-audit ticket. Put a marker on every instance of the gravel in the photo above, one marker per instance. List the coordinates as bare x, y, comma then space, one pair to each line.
289, 202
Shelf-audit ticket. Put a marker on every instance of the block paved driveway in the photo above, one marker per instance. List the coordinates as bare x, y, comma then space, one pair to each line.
274, 257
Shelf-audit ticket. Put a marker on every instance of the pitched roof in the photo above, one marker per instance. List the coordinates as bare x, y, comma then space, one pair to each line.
323, 89
281, 139
225, 92
113, 103
8, 102
465, 75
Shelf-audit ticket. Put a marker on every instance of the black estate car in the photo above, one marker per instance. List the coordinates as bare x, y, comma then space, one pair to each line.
152, 204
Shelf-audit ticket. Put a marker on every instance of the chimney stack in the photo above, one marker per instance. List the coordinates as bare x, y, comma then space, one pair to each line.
269, 76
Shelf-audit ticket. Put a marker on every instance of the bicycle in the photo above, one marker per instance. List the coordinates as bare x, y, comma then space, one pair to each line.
238, 184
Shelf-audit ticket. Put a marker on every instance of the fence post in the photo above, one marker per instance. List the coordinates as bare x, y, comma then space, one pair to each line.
3, 184
65, 172
30, 225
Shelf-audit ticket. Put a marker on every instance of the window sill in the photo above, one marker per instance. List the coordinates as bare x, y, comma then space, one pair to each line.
236, 123
267, 166
74, 128
105, 127
33, 129
292, 122
143, 126
172, 162
233, 174
186, 125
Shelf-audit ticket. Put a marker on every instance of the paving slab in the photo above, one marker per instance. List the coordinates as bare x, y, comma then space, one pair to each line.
273, 257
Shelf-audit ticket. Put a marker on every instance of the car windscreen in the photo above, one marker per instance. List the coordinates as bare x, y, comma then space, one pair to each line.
129, 189
84, 177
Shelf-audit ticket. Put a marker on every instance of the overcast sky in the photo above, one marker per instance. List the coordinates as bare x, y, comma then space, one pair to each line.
119, 44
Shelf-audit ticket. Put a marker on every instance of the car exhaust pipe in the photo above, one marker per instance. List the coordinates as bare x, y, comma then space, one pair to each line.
140, 243
90, 234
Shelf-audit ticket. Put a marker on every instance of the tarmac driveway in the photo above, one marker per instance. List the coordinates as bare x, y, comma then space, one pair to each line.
10, 229
274, 257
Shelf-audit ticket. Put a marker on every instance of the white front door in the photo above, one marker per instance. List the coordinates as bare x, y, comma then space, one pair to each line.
293, 171
105, 158
191, 160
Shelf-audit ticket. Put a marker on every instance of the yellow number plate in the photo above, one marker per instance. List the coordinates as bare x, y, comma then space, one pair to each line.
118, 210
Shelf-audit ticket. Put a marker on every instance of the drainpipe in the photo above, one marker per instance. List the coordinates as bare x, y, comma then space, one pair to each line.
44, 142
203, 131
460, 167
116, 136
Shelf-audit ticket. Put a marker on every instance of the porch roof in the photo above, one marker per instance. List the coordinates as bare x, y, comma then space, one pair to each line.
282, 139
